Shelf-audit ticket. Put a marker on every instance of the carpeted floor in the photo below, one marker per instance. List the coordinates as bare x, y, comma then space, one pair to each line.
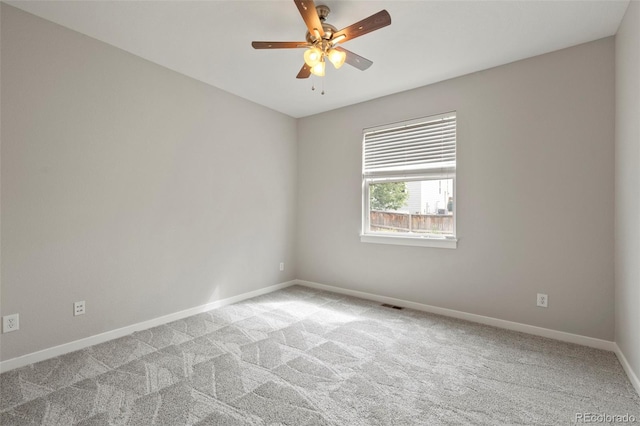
305, 357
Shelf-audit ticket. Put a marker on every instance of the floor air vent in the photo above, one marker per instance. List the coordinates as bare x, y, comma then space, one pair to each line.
386, 305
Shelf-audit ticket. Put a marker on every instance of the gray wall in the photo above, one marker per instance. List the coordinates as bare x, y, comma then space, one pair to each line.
535, 195
118, 178
627, 186
125, 184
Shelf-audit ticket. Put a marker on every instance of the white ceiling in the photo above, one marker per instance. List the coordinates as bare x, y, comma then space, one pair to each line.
427, 42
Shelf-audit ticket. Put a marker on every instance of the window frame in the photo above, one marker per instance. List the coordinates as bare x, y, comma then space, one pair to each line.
406, 238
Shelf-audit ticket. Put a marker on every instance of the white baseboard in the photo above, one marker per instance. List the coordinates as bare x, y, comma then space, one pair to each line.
633, 377
55, 351
509, 325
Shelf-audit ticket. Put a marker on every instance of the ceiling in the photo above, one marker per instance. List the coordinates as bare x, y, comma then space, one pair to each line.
427, 41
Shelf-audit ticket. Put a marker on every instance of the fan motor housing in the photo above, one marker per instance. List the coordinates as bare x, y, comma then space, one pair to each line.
323, 12
328, 33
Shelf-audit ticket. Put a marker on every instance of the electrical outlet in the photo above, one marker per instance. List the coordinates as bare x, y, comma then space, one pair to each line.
282, 266
543, 300
10, 323
78, 308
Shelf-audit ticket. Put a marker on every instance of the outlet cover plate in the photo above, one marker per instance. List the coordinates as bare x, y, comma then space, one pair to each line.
543, 300
78, 308
10, 323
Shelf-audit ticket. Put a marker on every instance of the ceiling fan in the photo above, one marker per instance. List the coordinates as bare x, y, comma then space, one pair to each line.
322, 39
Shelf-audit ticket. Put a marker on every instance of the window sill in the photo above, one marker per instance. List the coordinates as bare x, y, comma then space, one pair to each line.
449, 243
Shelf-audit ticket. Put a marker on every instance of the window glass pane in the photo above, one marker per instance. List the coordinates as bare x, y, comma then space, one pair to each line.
417, 207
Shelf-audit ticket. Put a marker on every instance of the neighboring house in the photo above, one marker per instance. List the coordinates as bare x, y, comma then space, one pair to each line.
427, 197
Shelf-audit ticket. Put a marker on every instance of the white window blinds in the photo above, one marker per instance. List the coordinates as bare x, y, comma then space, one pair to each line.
417, 146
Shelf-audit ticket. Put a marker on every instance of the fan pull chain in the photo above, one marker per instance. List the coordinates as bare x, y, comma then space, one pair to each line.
313, 86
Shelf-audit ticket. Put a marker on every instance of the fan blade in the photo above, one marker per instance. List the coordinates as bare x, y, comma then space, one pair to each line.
354, 60
310, 16
305, 72
278, 44
372, 23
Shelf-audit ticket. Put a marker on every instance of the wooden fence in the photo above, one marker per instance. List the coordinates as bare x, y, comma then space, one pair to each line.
407, 222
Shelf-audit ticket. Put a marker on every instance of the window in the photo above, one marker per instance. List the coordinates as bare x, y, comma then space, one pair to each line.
408, 183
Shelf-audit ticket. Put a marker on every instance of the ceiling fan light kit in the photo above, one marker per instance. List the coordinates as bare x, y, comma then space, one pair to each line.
322, 39
315, 59
336, 57
318, 69
312, 56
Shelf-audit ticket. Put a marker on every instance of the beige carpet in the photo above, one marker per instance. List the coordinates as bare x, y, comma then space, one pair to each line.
305, 357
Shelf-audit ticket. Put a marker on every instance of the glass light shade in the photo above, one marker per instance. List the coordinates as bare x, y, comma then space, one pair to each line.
318, 69
312, 56
337, 57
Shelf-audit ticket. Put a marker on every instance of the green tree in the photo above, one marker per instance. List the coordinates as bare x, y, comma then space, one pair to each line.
388, 195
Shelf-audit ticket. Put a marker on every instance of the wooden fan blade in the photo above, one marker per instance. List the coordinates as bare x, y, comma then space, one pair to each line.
310, 16
305, 72
354, 60
372, 23
278, 44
